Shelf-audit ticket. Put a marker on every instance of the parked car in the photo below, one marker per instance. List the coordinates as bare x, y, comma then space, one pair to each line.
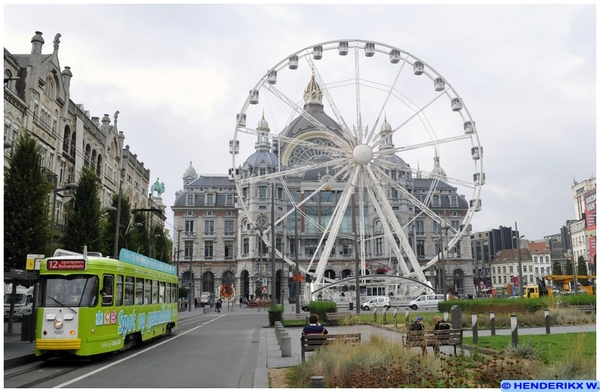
205, 299
377, 302
426, 301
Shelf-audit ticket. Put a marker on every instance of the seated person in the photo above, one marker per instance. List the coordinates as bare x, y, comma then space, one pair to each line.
314, 328
438, 324
418, 324
106, 295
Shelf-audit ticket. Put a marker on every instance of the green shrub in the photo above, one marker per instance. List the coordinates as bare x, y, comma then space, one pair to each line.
320, 308
516, 305
275, 314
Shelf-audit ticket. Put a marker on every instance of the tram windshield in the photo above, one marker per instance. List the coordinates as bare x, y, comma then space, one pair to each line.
72, 290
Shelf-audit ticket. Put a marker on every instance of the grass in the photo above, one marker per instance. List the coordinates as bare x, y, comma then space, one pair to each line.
549, 348
380, 363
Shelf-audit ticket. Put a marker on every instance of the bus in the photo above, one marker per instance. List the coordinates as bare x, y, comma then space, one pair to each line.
90, 305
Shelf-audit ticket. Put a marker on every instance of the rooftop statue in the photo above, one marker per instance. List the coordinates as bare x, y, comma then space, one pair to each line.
159, 187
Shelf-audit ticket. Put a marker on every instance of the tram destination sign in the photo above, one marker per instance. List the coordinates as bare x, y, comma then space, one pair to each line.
65, 264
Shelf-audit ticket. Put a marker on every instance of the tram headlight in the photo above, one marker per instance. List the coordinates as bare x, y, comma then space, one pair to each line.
58, 324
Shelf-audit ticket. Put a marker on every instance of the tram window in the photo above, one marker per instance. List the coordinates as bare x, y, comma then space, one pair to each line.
174, 293
107, 290
148, 291
90, 292
154, 292
58, 291
161, 293
139, 291
119, 291
129, 290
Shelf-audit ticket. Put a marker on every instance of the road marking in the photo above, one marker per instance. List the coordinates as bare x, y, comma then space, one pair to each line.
133, 355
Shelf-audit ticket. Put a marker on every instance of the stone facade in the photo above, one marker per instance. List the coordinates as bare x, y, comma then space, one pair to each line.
37, 99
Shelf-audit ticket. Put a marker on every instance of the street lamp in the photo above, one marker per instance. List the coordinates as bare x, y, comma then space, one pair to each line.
519, 259
121, 174
179, 229
191, 285
67, 187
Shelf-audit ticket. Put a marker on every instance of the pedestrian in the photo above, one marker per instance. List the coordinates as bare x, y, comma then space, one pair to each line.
218, 305
196, 302
241, 302
314, 327
417, 325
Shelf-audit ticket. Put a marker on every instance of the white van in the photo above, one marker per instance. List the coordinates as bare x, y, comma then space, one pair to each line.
426, 301
377, 302
23, 299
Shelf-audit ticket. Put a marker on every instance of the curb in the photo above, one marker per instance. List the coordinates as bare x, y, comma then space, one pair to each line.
19, 361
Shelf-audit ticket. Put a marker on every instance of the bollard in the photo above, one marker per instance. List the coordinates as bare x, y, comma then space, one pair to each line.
493, 323
375, 315
286, 345
445, 315
385, 316
317, 382
514, 329
280, 333
474, 324
406, 320
279, 330
395, 317
547, 320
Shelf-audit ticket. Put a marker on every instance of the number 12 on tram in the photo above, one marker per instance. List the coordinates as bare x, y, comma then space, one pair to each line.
94, 305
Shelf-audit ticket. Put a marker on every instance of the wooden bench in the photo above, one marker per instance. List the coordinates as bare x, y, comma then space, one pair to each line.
435, 339
255, 304
309, 343
589, 308
296, 317
334, 317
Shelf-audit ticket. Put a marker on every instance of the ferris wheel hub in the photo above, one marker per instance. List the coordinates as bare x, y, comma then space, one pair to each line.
362, 154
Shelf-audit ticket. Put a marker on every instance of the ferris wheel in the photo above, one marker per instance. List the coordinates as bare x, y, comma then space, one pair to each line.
351, 136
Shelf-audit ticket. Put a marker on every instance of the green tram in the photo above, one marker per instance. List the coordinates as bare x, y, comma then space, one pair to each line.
93, 305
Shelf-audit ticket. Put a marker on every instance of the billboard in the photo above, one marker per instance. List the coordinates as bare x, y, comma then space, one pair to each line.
590, 222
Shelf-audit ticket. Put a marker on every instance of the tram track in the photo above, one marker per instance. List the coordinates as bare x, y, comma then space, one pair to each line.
40, 372
36, 373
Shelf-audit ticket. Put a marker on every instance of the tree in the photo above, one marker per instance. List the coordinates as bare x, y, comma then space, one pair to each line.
162, 244
26, 203
84, 221
556, 268
569, 268
582, 270
139, 234
124, 227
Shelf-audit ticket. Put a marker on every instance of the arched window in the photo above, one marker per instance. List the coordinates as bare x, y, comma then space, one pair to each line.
86, 159
66, 139
99, 165
330, 274
7, 77
49, 89
73, 144
228, 278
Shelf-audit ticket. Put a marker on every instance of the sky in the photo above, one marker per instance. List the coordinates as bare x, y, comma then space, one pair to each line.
179, 74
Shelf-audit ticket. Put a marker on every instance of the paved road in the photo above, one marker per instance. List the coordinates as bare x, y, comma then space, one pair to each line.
239, 334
